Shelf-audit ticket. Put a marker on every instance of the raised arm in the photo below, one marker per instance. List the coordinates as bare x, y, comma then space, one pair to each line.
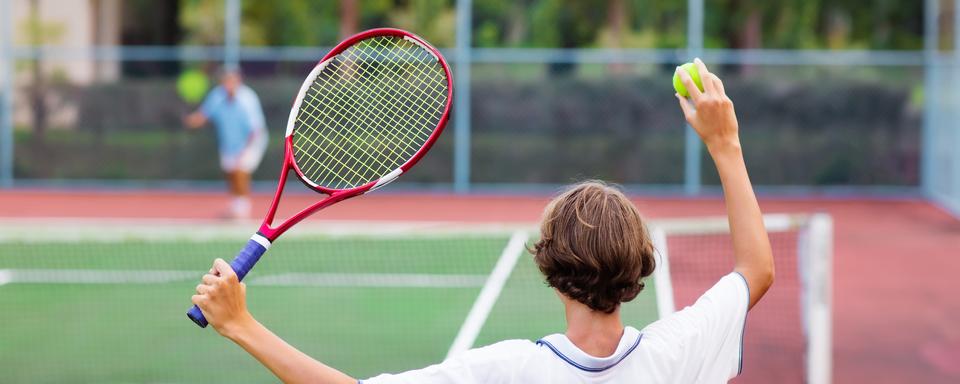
222, 298
711, 115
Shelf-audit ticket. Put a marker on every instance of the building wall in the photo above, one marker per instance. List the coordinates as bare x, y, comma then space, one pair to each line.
73, 25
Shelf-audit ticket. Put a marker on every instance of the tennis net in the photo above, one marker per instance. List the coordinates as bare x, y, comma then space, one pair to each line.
104, 301
788, 333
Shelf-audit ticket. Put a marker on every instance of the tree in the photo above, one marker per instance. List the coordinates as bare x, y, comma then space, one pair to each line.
39, 33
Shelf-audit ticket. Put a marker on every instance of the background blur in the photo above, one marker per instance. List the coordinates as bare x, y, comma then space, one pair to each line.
108, 205
835, 96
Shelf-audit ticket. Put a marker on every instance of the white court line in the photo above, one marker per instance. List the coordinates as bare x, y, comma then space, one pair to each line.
67, 230
488, 295
94, 276
375, 280
371, 280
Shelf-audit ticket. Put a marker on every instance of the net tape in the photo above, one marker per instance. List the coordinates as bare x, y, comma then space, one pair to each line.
368, 111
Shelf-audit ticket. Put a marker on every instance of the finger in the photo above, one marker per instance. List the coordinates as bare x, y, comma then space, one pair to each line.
223, 269
199, 300
701, 66
687, 81
203, 289
685, 106
212, 271
718, 84
705, 75
209, 279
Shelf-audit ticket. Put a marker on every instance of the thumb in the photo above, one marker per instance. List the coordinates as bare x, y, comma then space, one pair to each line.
223, 269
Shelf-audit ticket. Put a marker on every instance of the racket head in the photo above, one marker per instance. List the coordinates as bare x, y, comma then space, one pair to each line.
368, 111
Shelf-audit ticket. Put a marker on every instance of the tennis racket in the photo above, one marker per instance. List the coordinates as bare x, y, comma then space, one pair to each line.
368, 111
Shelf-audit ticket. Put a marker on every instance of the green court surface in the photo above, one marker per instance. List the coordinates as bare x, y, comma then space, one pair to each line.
114, 311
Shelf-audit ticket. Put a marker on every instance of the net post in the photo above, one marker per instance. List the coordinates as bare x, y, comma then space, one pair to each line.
817, 256
662, 283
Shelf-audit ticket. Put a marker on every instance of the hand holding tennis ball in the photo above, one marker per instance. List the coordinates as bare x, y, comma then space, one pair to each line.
709, 111
694, 73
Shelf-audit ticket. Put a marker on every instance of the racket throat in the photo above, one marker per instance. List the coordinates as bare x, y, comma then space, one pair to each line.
261, 239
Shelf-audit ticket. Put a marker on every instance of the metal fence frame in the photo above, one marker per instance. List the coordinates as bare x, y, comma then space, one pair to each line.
464, 55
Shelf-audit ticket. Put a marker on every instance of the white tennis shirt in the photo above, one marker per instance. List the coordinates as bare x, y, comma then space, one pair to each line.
700, 344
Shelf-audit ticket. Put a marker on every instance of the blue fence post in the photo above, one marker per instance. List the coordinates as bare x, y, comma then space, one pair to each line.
461, 105
952, 131
231, 35
931, 31
692, 147
6, 99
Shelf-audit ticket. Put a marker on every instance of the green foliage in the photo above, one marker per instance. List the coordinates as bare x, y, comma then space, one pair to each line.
814, 24
787, 24
315, 23
290, 22
202, 21
573, 24
433, 19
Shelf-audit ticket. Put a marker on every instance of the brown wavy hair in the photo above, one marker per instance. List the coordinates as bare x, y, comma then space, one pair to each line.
594, 247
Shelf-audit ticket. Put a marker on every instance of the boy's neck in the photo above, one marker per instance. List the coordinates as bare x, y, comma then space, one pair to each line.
595, 333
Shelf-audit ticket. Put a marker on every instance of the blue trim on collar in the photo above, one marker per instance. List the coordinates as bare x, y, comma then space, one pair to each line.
585, 368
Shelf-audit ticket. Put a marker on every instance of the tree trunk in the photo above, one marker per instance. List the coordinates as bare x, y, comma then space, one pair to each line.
349, 18
751, 36
617, 22
37, 86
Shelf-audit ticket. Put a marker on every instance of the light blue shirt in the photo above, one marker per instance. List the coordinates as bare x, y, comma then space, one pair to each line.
236, 119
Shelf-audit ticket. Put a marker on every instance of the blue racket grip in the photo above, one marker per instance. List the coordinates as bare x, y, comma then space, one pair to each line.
242, 264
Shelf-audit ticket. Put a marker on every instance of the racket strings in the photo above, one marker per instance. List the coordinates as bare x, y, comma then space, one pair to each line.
379, 100
363, 93
377, 119
368, 111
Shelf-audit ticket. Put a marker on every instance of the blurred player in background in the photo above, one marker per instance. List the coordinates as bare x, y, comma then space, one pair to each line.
235, 111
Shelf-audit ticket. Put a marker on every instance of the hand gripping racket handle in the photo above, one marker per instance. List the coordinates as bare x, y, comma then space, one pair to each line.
242, 264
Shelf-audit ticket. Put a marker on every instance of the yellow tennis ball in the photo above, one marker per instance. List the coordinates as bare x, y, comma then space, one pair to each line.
694, 73
192, 85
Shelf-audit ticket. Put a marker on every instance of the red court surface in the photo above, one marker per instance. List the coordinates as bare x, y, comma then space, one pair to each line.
896, 309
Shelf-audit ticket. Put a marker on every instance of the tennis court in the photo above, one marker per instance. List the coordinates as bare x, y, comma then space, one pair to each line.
370, 297
117, 330
368, 304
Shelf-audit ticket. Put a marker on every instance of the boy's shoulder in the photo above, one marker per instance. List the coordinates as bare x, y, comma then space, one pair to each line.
492, 363
499, 351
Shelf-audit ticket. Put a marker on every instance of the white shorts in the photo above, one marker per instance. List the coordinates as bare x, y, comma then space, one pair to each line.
249, 158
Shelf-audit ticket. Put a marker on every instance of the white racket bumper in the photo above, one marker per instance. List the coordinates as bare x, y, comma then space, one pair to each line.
261, 240
386, 179
412, 40
292, 120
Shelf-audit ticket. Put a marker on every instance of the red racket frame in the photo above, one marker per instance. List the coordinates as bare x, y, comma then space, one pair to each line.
336, 195
258, 244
